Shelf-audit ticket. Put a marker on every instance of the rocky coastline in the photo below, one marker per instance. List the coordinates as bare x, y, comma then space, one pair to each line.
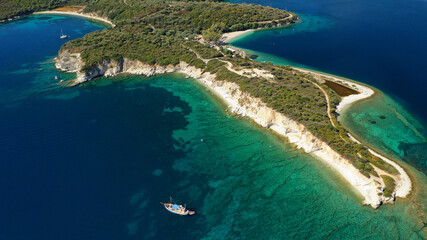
243, 104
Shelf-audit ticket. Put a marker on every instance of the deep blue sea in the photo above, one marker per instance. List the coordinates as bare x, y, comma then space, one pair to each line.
382, 44
379, 43
94, 161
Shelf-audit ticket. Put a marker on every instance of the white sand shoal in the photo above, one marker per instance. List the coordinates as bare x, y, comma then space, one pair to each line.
364, 91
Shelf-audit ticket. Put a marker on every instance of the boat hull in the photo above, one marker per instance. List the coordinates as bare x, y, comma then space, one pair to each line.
181, 212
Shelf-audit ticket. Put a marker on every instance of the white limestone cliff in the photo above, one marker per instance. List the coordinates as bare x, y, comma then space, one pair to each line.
244, 104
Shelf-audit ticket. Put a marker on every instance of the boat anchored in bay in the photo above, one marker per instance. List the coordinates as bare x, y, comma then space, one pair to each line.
177, 209
62, 35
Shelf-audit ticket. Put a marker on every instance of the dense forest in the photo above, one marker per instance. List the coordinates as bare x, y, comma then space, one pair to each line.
163, 32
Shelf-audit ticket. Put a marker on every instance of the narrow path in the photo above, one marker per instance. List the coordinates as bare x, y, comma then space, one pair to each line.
252, 73
290, 16
152, 27
327, 101
230, 68
198, 55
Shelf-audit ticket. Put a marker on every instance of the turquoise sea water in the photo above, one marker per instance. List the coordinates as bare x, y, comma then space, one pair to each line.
390, 128
94, 161
400, 134
376, 43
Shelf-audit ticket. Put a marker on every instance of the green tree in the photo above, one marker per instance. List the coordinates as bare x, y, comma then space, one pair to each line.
214, 33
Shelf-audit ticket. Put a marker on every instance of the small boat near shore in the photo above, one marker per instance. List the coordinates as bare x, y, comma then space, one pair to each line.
62, 35
177, 209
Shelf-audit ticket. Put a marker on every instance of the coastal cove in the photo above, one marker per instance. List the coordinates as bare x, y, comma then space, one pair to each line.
304, 197
200, 151
361, 49
360, 167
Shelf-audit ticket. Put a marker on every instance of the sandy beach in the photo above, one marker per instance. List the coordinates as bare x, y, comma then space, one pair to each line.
245, 105
227, 37
403, 183
364, 91
89, 16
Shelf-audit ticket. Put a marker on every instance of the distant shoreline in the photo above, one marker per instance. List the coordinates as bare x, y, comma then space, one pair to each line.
404, 186
72, 13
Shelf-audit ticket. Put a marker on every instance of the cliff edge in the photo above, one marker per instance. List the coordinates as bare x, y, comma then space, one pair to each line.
241, 103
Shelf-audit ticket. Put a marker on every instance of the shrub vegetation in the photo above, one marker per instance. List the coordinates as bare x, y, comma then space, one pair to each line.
162, 32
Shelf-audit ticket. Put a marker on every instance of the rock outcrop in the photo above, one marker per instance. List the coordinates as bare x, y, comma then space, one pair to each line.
241, 103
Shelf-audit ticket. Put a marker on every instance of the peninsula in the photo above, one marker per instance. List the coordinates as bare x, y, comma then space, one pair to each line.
156, 37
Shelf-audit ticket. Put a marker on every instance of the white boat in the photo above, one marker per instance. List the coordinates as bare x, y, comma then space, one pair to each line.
62, 35
177, 209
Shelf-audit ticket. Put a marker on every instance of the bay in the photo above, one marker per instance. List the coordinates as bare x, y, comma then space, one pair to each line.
93, 161
376, 43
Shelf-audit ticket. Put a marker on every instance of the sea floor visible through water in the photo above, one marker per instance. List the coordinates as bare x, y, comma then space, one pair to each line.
95, 160
332, 38
108, 151
381, 122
